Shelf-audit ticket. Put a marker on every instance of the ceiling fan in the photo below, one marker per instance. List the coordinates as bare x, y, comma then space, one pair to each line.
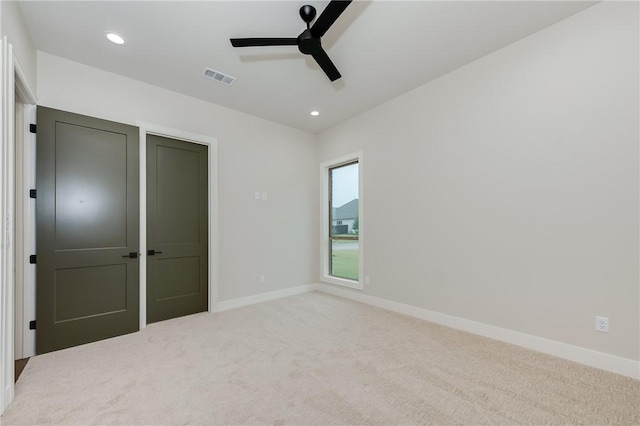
308, 41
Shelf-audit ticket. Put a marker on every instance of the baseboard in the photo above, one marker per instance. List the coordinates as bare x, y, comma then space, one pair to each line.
7, 396
612, 363
263, 297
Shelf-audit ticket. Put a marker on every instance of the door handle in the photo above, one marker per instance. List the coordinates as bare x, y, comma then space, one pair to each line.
132, 255
153, 252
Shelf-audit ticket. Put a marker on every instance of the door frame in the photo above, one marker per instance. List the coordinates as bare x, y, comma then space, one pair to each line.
12, 79
28, 230
212, 161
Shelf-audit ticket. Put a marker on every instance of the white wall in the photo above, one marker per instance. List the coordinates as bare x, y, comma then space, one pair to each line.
506, 192
277, 237
13, 27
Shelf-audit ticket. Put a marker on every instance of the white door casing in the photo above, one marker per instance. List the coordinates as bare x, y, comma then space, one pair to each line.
12, 80
212, 143
7, 112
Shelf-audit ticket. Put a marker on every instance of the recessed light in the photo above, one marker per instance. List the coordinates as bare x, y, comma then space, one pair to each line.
115, 38
315, 113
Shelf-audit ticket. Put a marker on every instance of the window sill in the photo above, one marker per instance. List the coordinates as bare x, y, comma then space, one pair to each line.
342, 282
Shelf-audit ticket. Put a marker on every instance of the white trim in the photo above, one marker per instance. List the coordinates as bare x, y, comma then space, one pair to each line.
612, 363
7, 189
22, 86
264, 297
27, 227
142, 161
18, 239
324, 221
28, 231
25, 230
344, 282
13, 81
212, 143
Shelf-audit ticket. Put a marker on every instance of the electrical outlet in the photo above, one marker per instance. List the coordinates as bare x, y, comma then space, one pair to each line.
602, 324
262, 280
257, 195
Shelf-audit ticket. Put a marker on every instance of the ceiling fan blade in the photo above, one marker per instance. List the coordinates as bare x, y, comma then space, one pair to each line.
249, 42
329, 15
327, 66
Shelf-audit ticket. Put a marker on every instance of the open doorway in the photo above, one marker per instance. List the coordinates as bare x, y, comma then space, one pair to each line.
24, 228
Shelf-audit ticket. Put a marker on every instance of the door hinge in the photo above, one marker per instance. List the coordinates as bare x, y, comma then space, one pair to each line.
32, 325
32, 259
32, 128
33, 193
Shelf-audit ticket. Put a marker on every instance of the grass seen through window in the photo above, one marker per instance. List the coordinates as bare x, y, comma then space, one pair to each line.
345, 257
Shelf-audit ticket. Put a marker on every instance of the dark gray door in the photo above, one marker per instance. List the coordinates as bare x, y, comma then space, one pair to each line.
87, 224
177, 228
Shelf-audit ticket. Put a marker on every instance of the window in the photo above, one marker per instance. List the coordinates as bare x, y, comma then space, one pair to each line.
342, 205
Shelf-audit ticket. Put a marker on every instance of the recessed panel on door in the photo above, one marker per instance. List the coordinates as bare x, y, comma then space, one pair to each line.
177, 193
88, 291
91, 188
177, 277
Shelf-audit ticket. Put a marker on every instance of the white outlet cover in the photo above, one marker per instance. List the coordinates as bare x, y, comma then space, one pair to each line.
602, 324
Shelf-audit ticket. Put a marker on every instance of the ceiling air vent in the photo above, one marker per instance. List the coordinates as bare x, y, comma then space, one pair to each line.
218, 76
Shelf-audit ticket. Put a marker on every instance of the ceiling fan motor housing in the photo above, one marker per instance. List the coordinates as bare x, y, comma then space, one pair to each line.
308, 44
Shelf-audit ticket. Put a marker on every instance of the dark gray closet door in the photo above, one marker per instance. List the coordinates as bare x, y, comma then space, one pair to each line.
87, 224
177, 228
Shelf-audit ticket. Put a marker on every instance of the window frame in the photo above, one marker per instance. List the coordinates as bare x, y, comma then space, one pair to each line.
325, 240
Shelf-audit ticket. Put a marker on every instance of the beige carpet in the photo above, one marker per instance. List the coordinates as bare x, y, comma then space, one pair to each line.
314, 359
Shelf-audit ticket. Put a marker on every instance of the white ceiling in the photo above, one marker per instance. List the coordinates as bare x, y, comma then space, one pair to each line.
382, 48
